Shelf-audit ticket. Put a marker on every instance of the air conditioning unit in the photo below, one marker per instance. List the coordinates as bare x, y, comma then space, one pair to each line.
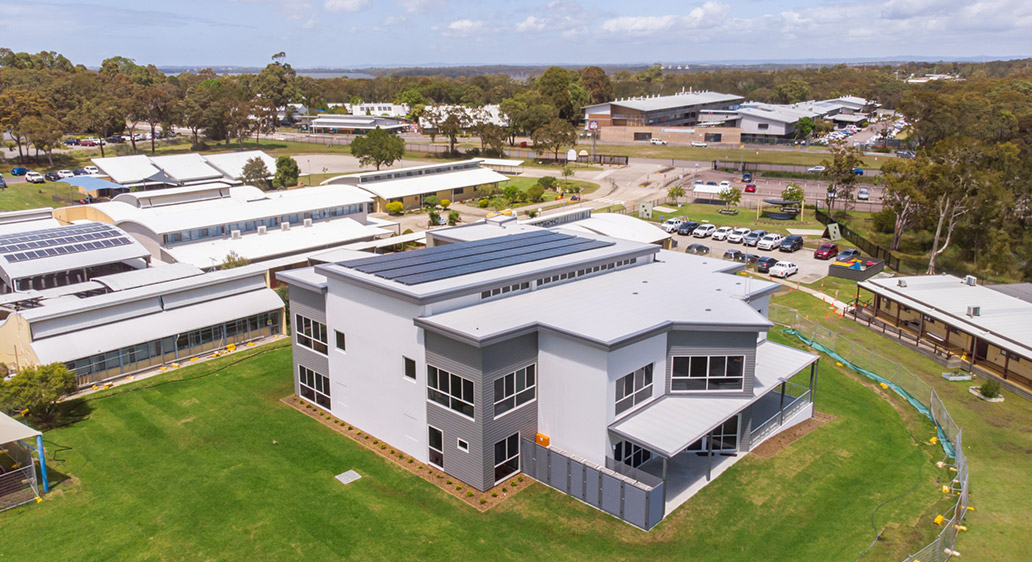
308, 223
974, 311
262, 229
234, 234
284, 226
971, 280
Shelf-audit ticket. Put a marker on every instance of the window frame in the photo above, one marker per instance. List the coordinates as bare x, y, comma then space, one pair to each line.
318, 379
509, 457
638, 394
431, 449
462, 444
708, 376
406, 361
306, 334
339, 338
515, 394
433, 385
624, 451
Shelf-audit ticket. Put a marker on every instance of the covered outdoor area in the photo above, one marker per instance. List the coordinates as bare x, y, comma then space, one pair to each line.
689, 439
18, 482
787, 210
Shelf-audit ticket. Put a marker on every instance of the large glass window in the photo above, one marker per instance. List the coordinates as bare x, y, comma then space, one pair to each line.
708, 372
507, 457
514, 390
631, 454
435, 444
450, 391
314, 386
633, 389
310, 334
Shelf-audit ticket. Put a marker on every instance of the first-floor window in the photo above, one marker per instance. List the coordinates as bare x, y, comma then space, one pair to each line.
631, 454
507, 457
410, 368
314, 386
514, 390
435, 442
633, 389
450, 391
708, 372
310, 334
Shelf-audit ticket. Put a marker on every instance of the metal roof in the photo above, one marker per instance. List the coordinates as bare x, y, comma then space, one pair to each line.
174, 195
127, 169
30, 219
659, 103
1021, 291
618, 226
671, 423
779, 113
231, 164
185, 167
65, 248
11, 430
418, 185
146, 276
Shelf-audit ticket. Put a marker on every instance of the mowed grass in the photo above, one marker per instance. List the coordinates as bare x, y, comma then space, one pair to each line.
726, 154
24, 195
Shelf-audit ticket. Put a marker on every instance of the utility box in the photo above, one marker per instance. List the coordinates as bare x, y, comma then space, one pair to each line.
542, 439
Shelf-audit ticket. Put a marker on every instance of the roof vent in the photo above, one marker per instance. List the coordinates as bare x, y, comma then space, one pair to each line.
308, 223
970, 280
262, 229
284, 226
974, 311
234, 234
901, 283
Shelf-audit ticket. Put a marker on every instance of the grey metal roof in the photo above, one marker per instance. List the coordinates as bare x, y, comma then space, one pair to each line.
659, 103
1021, 291
670, 424
65, 248
147, 276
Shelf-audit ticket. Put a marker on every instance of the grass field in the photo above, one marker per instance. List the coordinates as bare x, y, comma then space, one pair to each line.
24, 195
735, 154
206, 463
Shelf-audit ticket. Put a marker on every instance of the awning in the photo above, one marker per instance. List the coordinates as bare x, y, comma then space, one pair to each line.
92, 185
675, 421
11, 430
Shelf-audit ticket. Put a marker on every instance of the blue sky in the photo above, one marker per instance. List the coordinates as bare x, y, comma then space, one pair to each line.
356, 33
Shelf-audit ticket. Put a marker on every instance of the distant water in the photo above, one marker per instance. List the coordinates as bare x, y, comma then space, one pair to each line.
334, 74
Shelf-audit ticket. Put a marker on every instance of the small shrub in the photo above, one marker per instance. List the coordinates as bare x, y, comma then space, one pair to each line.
410, 461
420, 467
350, 428
457, 488
483, 501
382, 447
483, 203
376, 441
367, 437
336, 422
990, 388
445, 203
884, 221
395, 208
494, 494
505, 490
448, 482
469, 494
431, 201
513, 483
520, 478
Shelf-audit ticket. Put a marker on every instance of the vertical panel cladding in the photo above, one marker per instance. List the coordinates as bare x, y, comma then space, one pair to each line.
657, 506
558, 476
500, 360
635, 506
577, 478
309, 304
745, 429
612, 495
682, 342
592, 486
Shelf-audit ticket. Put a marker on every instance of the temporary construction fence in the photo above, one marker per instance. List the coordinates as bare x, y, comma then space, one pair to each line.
914, 390
17, 475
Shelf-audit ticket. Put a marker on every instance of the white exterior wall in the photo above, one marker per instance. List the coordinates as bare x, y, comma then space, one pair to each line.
571, 388
751, 126
368, 385
762, 305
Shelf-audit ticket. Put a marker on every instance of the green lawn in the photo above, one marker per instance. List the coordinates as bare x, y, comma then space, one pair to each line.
730, 154
24, 195
746, 217
206, 463
524, 183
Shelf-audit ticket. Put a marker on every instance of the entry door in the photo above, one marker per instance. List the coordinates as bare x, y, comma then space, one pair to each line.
981, 350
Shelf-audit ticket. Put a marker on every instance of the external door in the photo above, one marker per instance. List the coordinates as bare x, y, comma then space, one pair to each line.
435, 441
981, 350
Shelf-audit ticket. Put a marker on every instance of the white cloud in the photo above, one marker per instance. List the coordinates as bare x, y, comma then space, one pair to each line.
709, 15
345, 5
463, 27
531, 24
394, 20
420, 5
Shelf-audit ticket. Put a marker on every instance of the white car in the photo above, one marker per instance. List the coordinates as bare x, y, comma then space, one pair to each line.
703, 230
783, 269
863, 194
770, 241
737, 235
671, 225
698, 144
34, 177
699, 182
91, 170
815, 169
722, 232
725, 185
65, 174
660, 142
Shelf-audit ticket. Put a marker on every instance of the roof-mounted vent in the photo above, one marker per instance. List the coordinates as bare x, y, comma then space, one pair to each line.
974, 311
284, 226
308, 223
234, 234
262, 229
901, 283
970, 280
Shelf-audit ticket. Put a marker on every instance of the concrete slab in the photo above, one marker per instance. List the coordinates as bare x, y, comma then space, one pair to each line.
348, 477
806, 231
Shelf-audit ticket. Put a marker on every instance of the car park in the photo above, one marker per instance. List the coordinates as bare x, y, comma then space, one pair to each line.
770, 241
753, 237
703, 230
847, 254
65, 174
34, 177
698, 144
672, 224
91, 170
733, 254
687, 227
51, 176
737, 235
750, 188
863, 194
722, 232
826, 251
783, 269
19, 171
764, 264
697, 249
660, 142
791, 243
815, 169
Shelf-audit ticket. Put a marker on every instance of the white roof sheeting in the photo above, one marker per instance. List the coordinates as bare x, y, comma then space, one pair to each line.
659, 103
418, 185
12, 222
148, 276
11, 430
619, 226
231, 164
174, 195
707, 189
675, 421
127, 169
186, 167
779, 113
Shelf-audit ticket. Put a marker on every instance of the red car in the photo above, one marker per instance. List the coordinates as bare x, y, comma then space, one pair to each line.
750, 188
826, 251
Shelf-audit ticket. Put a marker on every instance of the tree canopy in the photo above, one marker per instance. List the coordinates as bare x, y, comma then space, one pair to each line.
378, 148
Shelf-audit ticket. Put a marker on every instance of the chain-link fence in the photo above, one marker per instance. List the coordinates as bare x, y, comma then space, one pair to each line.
919, 393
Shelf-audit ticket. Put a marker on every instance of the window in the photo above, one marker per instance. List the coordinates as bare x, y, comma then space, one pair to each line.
341, 341
310, 334
763, 126
450, 391
630, 454
514, 390
708, 373
410, 368
462, 445
314, 386
435, 444
507, 457
507, 289
633, 389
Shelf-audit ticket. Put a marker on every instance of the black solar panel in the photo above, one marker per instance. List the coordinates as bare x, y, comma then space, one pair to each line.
62, 240
464, 258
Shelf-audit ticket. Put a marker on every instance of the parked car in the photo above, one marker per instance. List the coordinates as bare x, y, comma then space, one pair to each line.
114, 139
733, 254
815, 169
19, 171
672, 224
826, 251
725, 184
703, 230
748, 259
34, 177
905, 153
863, 195
699, 182
697, 249
88, 142
71, 142
747, 177
660, 142
722, 232
52, 176
711, 183
698, 144
750, 188
687, 227
80, 172
770, 241
784, 269
737, 235
858, 171
791, 243
91, 170
764, 264
753, 237
847, 254
65, 174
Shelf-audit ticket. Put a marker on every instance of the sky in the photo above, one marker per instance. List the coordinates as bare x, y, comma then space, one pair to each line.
362, 33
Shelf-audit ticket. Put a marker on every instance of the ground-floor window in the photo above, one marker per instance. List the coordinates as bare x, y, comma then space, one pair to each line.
631, 454
435, 444
314, 386
507, 457
724, 438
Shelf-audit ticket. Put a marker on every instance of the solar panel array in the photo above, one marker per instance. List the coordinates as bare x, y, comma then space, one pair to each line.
60, 241
464, 258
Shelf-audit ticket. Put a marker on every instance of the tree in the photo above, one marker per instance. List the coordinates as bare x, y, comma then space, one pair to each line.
805, 127
597, 84
263, 119
37, 389
554, 85
547, 182
793, 192
535, 192
445, 203
958, 175
567, 173
841, 174
731, 197
395, 208
456, 119
431, 201
378, 148
15, 106
159, 103
902, 194
256, 173
554, 135
44, 132
676, 193
287, 172
233, 259
511, 193
453, 218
